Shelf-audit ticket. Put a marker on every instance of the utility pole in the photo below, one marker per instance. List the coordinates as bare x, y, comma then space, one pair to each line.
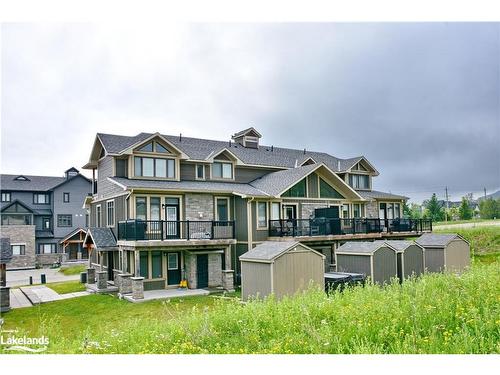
484, 193
447, 204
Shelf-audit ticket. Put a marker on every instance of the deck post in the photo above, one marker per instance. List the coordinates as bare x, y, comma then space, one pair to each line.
137, 287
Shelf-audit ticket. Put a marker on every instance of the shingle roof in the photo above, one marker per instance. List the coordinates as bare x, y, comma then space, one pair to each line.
201, 149
436, 240
360, 247
101, 237
276, 182
268, 250
399, 245
374, 194
35, 183
201, 186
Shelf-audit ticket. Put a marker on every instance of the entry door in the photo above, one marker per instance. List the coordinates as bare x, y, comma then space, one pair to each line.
172, 221
110, 265
333, 225
202, 270
173, 268
289, 212
383, 215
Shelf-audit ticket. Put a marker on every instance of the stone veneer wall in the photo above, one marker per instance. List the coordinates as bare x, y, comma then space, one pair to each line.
190, 268
49, 259
21, 234
371, 209
308, 209
196, 203
214, 270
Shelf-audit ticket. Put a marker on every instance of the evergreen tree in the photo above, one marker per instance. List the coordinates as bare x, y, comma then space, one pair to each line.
434, 210
489, 208
465, 210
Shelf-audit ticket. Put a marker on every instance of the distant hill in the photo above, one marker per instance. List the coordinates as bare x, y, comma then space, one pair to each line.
494, 195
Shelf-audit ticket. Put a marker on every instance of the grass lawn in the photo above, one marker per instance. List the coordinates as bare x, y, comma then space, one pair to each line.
67, 287
438, 223
72, 270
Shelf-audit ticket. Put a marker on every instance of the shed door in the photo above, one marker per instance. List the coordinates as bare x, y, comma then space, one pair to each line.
202, 270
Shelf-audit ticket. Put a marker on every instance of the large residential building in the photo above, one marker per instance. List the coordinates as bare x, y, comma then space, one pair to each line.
44, 217
170, 208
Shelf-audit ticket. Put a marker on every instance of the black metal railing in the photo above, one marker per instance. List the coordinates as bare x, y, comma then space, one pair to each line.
138, 230
336, 226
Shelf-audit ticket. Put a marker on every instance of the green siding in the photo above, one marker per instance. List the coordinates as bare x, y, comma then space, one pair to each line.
327, 191
312, 182
296, 191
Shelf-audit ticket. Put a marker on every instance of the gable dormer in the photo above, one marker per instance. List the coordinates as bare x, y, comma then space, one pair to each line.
72, 172
248, 138
21, 178
154, 158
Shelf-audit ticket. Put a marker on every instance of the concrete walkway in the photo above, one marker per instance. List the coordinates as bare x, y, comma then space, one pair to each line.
35, 295
18, 299
150, 295
22, 277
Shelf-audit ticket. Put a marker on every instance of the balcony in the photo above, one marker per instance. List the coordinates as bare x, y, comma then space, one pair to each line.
329, 226
159, 230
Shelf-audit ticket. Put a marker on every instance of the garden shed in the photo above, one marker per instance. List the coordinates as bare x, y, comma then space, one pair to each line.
280, 268
410, 256
374, 259
445, 252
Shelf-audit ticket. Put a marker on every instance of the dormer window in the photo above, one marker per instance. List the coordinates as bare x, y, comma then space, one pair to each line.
154, 147
21, 178
148, 147
248, 138
154, 167
222, 170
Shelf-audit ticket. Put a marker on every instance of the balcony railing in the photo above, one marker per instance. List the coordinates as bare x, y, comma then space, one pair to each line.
138, 230
327, 226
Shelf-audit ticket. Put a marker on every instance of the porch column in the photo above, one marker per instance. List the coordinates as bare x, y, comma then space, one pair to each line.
4, 298
125, 286
228, 273
137, 287
101, 260
79, 252
124, 260
90, 275
137, 272
102, 282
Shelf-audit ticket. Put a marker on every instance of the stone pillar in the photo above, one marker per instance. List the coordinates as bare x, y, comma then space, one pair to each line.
125, 283
90, 275
4, 298
190, 270
228, 280
116, 277
124, 260
102, 282
227, 257
137, 272
79, 252
137, 287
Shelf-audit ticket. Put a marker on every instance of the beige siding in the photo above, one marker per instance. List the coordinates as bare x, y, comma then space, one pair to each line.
296, 270
255, 280
457, 255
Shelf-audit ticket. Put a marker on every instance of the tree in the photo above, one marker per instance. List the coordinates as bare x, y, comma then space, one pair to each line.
489, 208
434, 210
465, 210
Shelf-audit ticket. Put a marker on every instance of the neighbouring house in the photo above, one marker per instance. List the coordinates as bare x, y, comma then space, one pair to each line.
38, 213
171, 208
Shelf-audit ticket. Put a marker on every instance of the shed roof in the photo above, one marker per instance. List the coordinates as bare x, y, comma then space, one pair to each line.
399, 245
367, 247
270, 250
437, 240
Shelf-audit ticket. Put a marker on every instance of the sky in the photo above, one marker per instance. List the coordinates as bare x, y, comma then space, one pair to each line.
421, 101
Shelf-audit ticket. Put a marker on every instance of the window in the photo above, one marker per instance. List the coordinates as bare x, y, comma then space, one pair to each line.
261, 215
41, 198
121, 167
397, 210
140, 208
148, 147
222, 170
173, 261
275, 211
65, 197
18, 249
345, 211
200, 172
154, 208
15, 219
390, 210
5, 197
359, 181
152, 167
87, 220
98, 215
161, 149
46, 248
222, 210
298, 190
143, 264
64, 220
156, 265
326, 191
358, 210
110, 213
46, 223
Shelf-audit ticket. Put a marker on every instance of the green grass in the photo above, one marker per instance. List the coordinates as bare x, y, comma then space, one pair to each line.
438, 313
72, 270
67, 287
438, 223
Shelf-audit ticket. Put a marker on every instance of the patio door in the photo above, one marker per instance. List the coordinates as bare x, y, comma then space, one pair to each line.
383, 215
173, 268
289, 211
172, 218
202, 270
110, 265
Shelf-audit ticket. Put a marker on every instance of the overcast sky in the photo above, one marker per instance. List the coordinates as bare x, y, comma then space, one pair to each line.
420, 101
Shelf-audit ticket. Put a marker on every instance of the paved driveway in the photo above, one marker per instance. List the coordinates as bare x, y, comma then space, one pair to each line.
21, 277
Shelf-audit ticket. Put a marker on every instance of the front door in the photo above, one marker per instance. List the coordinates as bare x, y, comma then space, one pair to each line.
110, 265
202, 270
172, 218
173, 268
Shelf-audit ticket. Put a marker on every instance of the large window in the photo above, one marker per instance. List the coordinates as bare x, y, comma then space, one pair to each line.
140, 208
110, 213
345, 211
41, 198
297, 190
18, 249
64, 220
222, 170
46, 248
143, 264
5, 197
359, 181
121, 166
326, 191
222, 209
154, 208
156, 267
98, 215
358, 210
200, 172
261, 215
153, 167
275, 211
397, 210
